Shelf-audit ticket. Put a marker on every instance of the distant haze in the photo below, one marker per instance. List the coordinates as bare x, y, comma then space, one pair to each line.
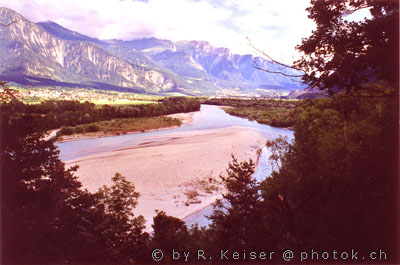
273, 26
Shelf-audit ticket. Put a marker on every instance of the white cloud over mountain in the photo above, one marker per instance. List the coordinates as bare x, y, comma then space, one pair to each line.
273, 26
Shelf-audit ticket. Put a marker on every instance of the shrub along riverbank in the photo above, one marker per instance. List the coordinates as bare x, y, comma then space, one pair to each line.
277, 113
121, 126
54, 114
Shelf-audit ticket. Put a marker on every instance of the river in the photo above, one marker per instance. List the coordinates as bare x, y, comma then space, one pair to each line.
209, 117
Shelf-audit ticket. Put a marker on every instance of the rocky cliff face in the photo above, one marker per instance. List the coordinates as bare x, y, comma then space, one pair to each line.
49, 51
34, 51
222, 65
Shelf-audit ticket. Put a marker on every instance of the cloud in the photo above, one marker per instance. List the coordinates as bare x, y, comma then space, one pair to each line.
275, 26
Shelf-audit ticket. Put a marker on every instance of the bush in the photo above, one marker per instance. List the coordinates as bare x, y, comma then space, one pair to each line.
79, 129
92, 128
65, 131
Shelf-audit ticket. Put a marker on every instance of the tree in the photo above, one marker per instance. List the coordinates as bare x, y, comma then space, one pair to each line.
279, 148
330, 191
235, 219
124, 236
36, 190
336, 185
169, 233
46, 216
344, 55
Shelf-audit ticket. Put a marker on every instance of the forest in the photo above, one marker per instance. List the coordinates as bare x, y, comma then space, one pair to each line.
334, 188
53, 114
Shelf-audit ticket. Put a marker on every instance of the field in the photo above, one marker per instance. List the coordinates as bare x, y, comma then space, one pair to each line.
121, 102
98, 97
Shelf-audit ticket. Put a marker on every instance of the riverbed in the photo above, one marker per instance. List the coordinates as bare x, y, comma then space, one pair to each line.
166, 164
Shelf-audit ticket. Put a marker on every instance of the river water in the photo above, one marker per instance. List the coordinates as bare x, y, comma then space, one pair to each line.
209, 117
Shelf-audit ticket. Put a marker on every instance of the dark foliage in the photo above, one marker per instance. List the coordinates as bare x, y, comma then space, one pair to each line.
342, 54
277, 113
236, 220
46, 216
56, 113
335, 187
169, 233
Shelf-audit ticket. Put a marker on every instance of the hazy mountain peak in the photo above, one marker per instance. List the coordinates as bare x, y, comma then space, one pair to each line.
6, 14
204, 46
57, 55
64, 33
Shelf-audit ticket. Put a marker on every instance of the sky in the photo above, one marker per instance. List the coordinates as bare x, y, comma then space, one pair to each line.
274, 26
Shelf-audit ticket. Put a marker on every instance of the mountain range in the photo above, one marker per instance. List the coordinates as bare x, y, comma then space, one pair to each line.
47, 54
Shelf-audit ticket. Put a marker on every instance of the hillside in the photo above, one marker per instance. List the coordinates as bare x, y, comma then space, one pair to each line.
47, 54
